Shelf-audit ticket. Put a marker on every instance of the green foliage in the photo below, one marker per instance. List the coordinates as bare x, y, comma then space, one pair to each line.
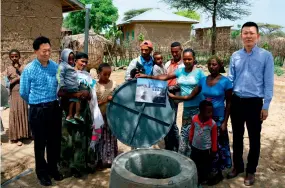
103, 14
141, 37
278, 71
278, 61
134, 12
189, 14
113, 32
266, 28
266, 46
235, 34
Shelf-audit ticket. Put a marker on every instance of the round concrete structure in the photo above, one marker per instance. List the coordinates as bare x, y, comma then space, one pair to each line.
147, 168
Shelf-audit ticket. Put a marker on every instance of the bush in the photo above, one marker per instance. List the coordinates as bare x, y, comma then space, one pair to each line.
278, 61
278, 71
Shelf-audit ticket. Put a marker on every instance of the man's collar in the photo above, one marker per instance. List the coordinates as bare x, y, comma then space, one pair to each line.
147, 62
39, 63
179, 62
254, 49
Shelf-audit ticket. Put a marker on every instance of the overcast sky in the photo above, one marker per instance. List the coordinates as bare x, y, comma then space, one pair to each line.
266, 11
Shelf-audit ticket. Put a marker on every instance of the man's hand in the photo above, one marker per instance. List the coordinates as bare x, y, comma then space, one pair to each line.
171, 95
139, 75
263, 114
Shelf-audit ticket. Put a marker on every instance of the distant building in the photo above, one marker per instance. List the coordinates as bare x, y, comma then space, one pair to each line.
24, 20
203, 38
161, 27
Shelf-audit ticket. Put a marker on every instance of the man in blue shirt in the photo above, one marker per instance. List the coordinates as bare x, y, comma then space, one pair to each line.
144, 61
38, 87
252, 74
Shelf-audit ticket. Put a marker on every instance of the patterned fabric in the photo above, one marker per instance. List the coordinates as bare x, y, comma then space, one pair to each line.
222, 159
187, 82
203, 135
108, 142
38, 84
75, 152
216, 93
252, 74
188, 113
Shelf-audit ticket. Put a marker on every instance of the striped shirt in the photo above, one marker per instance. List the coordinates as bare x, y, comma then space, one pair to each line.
38, 84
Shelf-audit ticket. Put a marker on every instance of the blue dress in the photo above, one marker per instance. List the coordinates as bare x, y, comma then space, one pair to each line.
216, 94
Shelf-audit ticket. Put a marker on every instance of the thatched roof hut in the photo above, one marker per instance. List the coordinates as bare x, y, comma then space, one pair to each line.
96, 48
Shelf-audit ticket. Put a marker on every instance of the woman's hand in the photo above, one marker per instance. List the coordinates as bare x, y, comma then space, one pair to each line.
84, 95
224, 126
140, 75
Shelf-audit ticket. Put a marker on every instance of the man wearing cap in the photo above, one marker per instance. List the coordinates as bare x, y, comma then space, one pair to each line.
143, 64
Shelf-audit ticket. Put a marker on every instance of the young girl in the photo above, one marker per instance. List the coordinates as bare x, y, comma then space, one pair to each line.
104, 90
203, 140
158, 68
18, 117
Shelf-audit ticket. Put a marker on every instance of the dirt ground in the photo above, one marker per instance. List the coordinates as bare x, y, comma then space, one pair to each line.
270, 172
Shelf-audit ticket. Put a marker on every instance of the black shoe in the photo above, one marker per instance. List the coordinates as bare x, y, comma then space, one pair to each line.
56, 176
45, 180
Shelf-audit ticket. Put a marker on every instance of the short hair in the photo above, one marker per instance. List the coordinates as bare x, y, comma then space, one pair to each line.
80, 55
39, 41
156, 53
103, 65
250, 24
175, 44
193, 53
14, 50
219, 61
204, 103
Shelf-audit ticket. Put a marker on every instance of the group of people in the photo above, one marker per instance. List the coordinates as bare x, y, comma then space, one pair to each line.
67, 108
209, 101
66, 115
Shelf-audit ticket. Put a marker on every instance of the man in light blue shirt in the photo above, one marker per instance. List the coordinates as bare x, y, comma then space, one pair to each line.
252, 74
38, 87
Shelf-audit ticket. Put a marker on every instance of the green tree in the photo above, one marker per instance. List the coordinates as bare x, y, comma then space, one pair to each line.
134, 12
267, 29
236, 33
188, 14
216, 9
102, 15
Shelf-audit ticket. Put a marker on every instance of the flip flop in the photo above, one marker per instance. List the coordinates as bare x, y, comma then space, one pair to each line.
79, 118
72, 120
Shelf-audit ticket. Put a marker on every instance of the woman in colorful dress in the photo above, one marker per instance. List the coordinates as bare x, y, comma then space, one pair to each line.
217, 89
104, 90
77, 154
18, 117
188, 78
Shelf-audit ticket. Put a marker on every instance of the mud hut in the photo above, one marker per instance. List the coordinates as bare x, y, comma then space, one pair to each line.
24, 20
98, 45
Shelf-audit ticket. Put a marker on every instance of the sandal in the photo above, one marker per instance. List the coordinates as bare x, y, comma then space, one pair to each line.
72, 120
79, 118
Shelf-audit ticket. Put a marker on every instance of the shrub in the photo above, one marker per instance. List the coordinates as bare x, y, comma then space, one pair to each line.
278, 71
278, 61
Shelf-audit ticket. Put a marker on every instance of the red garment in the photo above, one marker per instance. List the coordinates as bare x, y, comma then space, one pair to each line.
170, 70
199, 128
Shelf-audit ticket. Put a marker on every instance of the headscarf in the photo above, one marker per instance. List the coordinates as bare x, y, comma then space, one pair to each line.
65, 54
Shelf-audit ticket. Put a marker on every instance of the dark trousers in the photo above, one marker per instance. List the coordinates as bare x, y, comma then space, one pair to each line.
45, 121
172, 138
202, 159
246, 111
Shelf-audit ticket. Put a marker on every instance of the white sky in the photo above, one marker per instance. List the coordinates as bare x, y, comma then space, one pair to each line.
266, 11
